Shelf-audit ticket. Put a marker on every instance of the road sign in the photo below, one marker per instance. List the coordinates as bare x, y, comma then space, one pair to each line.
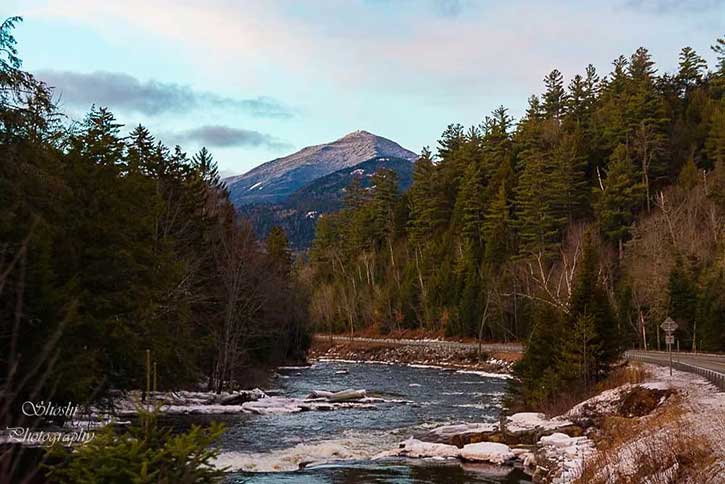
669, 325
670, 339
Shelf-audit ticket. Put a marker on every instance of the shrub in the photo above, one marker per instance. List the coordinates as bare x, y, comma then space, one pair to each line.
146, 453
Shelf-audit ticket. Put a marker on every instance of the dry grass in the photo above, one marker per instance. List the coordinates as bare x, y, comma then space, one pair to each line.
631, 373
656, 449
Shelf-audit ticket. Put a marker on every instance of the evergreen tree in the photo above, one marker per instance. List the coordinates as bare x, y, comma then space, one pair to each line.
572, 187
710, 314
384, 202
539, 220
427, 212
278, 251
589, 300
497, 227
692, 67
719, 49
615, 204
554, 98
472, 201
536, 372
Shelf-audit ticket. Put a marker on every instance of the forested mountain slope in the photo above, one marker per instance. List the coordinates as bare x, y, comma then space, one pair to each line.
299, 213
595, 216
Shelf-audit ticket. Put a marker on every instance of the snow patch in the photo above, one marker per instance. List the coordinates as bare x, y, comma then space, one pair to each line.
449, 431
527, 421
486, 374
492, 452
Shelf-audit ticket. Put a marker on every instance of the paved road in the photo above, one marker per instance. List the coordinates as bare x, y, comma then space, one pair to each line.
490, 347
700, 360
711, 367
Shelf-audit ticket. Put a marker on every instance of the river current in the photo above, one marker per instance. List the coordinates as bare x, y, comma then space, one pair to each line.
337, 446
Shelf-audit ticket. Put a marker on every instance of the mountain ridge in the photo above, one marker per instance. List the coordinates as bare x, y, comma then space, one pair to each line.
274, 181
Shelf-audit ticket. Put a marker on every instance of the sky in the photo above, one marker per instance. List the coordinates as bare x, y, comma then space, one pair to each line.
254, 80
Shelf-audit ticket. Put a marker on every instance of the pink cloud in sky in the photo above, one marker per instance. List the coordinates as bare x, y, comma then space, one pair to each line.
503, 48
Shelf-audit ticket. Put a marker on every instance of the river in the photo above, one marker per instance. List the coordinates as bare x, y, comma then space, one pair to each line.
337, 446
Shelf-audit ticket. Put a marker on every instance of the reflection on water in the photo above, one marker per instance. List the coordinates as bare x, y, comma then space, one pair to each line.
389, 474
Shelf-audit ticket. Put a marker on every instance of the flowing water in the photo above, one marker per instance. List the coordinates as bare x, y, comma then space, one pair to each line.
337, 446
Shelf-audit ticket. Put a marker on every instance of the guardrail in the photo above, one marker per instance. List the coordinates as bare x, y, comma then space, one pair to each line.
714, 377
507, 347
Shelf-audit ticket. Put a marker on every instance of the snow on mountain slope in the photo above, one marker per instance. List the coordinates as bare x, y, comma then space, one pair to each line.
274, 181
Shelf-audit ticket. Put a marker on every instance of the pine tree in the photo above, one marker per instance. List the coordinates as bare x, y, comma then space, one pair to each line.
554, 98
497, 227
576, 360
641, 66
715, 143
692, 67
589, 300
427, 212
384, 201
616, 203
572, 192
710, 315
719, 49
355, 195
471, 200
538, 219
536, 370
278, 251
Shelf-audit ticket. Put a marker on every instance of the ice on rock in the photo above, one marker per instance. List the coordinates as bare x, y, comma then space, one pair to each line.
418, 449
558, 440
492, 452
272, 405
527, 421
450, 431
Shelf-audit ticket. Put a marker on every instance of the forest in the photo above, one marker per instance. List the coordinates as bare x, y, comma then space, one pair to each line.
577, 229
112, 244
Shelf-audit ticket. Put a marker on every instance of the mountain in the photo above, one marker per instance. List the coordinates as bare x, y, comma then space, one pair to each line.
298, 214
328, 193
276, 180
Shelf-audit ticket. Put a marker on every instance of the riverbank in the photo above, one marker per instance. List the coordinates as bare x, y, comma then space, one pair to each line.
461, 357
656, 428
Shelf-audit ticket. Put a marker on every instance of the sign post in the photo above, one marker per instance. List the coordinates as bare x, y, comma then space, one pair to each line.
669, 325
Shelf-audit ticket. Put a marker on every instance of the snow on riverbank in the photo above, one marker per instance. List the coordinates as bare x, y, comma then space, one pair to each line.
683, 441
253, 401
559, 449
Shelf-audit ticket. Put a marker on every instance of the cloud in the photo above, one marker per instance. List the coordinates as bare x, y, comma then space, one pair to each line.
441, 51
125, 92
225, 137
675, 6
449, 8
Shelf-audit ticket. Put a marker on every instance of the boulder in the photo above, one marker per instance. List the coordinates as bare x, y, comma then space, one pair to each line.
492, 452
238, 398
346, 395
